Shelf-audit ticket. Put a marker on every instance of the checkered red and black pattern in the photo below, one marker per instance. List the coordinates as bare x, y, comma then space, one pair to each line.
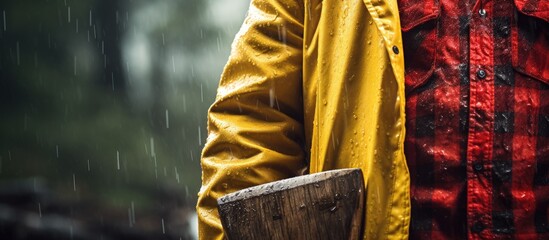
477, 144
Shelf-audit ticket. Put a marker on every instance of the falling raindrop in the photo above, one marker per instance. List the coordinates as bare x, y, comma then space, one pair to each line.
88, 165
112, 80
4, 15
69, 14
130, 217
282, 34
39, 210
73, 182
167, 119
173, 63
163, 229
153, 153
176, 174
57, 150
117, 160
146, 149
199, 137
271, 97
131, 214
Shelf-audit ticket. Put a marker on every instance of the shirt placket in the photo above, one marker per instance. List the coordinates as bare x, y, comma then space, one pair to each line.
481, 122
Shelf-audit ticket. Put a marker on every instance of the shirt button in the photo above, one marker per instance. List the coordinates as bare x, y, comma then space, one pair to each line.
477, 227
481, 74
504, 31
477, 166
395, 49
482, 12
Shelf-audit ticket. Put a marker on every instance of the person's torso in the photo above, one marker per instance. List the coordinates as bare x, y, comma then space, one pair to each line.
477, 117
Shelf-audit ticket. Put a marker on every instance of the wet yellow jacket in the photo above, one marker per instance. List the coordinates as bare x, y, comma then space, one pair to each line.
312, 85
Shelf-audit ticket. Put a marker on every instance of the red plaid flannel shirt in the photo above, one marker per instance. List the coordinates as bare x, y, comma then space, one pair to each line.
477, 144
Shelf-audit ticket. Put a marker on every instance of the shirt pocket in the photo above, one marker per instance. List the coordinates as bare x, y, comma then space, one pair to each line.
530, 43
418, 20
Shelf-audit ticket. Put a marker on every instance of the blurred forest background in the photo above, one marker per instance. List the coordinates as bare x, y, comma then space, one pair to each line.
103, 114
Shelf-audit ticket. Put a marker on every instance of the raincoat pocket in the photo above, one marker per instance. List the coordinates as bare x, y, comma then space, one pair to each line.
530, 44
418, 20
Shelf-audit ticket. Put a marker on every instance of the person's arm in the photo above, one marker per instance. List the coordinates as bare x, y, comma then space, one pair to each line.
255, 124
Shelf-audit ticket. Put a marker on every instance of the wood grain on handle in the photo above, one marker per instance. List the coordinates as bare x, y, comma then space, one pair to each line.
326, 205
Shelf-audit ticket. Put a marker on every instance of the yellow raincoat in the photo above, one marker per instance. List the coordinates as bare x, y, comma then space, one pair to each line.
312, 85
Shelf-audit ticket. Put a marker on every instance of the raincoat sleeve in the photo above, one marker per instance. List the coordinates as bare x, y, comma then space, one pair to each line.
255, 124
